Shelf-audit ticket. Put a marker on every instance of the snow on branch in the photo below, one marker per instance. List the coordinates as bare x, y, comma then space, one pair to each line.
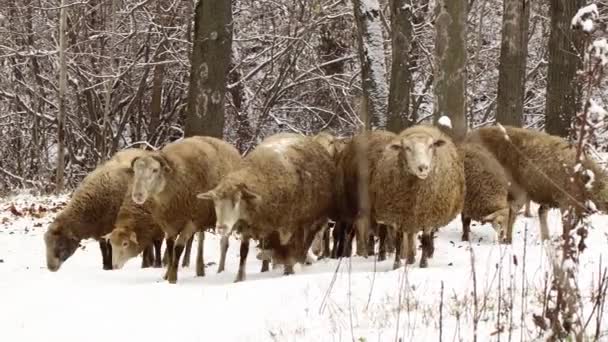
585, 18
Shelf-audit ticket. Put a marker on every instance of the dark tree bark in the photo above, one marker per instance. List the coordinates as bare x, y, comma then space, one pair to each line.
373, 69
563, 92
513, 58
450, 63
210, 59
61, 113
401, 78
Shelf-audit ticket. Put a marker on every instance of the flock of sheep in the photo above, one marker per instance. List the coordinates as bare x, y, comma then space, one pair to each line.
285, 192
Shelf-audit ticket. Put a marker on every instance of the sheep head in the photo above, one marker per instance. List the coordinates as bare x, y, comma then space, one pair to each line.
124, 245
149, 176
60, 245
499, 220
416, 153
232, 203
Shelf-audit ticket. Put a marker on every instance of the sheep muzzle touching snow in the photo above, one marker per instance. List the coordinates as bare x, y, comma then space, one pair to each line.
416, 153
124, 246
149, 174
59, 247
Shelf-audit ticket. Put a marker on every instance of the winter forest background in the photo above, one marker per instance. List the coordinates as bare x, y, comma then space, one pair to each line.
286, 66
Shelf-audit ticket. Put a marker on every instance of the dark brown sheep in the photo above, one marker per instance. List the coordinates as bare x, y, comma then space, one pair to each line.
282, 195
541, 166
418, 184
91, 211
170, 179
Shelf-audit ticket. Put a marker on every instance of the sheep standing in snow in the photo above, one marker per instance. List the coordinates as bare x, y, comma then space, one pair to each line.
91, 211
170, 179
357, 162
418, 184
281, 196
541, 165
487, 196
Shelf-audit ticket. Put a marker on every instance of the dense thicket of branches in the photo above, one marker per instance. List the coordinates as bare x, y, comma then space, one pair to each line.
294, 67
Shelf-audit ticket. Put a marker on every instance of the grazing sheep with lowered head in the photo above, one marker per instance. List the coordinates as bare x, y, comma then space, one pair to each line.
91, 211
541, 166
170, 179
418, 185
282, 195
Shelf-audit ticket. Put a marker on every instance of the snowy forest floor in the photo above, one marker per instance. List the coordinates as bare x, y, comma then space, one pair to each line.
371, 302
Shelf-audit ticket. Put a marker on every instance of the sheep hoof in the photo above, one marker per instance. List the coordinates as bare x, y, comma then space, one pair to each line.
396, 265
411, 260
200, 272
381, 257
239, 278
220, 269
107, 267
424, 263
465, 238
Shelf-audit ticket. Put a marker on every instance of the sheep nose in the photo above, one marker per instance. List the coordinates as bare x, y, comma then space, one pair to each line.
423, 168
221, 228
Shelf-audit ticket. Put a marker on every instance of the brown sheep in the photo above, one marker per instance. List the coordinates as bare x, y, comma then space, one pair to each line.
170, 179
487, 191
134, 232
364, 149
282, 196
91, 211
418, 184
541, 166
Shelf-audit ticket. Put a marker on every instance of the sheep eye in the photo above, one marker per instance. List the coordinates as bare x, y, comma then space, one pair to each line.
125, 244
155, 171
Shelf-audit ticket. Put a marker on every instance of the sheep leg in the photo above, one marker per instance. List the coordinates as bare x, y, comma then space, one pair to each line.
398, 245
244, 250
426, 241
361, 228
466, 228
382, 232
200, 262
543, 210
431, 245
184, 236
146, 257
326, 249
527, 212
265, 266
157, 258
224, 243
169, 249
106, 254
167, 253
186, 260
410, 249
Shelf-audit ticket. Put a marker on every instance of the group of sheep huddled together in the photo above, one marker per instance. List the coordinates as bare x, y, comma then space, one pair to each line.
286, 190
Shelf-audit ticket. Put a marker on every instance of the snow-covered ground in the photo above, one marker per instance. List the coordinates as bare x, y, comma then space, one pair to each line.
81, 302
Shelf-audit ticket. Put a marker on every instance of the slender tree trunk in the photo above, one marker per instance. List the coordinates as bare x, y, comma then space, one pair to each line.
401, 78
211, 50
513, 58
563, 92
373, 68
450, 63
62, 88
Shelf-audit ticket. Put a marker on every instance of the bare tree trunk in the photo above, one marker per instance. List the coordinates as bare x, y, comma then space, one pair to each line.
210, 61
401, 78
373, 68
563, 92
62, 88
450, 63
513, 58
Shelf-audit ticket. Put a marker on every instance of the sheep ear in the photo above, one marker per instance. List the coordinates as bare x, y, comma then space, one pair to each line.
209, 195
107, 236
395, 146
133, 238
133, 162
249, 195
439, 143
164, 163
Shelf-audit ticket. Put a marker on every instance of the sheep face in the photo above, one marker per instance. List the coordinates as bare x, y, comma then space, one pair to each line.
416, 153
149, 177
60, 246
231, 206
124, 246
499, 220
